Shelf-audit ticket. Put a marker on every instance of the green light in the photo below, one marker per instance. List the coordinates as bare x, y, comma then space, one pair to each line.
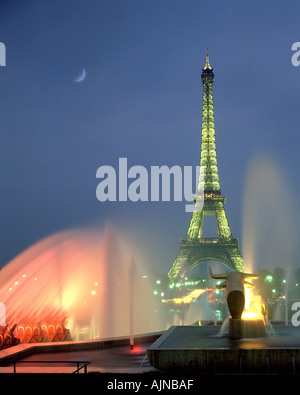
273, 290
155, 292
158, 282
171, 286
269, 278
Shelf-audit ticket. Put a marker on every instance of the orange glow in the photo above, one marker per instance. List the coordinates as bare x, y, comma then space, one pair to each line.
255, 307
78, 279
48, 283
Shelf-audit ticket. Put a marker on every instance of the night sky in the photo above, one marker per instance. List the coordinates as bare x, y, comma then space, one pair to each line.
141, 99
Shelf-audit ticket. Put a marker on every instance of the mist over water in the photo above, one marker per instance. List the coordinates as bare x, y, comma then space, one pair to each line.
269, 218
81, 277
200, 310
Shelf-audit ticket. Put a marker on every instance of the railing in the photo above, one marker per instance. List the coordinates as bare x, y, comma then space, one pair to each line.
210, 240
83, 364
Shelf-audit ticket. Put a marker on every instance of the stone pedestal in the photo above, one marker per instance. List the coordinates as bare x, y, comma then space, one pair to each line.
242, 328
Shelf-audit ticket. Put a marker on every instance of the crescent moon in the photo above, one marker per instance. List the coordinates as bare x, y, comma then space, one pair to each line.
81, 77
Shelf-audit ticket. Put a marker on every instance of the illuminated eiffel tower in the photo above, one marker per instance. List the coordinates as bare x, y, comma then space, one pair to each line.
195, 249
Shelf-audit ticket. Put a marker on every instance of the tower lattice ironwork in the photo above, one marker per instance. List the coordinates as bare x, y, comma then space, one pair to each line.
195, 249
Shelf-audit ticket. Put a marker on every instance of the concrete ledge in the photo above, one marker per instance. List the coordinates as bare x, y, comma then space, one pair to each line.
20, 351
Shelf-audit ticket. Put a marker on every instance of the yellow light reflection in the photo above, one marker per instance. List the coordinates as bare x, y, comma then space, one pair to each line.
255, 307
195, 294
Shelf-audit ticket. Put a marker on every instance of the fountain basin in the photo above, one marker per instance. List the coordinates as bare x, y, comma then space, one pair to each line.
202, 350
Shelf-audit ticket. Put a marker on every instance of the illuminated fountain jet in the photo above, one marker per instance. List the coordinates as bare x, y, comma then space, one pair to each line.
69, 286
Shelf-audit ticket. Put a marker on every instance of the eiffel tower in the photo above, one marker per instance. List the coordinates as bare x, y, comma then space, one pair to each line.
195, 249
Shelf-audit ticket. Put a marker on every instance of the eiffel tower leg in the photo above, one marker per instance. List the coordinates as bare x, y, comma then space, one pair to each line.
193, 252
222, 223
196, 225
179, 267
236, 259
201, 225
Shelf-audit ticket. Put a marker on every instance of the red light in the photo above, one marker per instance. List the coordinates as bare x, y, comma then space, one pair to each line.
137, 350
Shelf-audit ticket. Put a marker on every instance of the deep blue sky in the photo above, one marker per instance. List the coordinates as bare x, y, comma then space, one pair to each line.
142, 99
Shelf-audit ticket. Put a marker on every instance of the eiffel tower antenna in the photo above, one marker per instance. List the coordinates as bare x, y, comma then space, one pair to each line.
195, 249
207, 60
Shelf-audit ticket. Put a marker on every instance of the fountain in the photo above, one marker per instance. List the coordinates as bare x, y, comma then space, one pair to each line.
247, 342
239, 326
85, 284
77, 284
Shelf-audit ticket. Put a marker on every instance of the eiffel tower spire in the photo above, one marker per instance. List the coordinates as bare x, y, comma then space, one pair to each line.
208, 144
207, 66
194, 249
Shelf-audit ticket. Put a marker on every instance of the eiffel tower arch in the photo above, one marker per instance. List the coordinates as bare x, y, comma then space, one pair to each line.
195, 249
